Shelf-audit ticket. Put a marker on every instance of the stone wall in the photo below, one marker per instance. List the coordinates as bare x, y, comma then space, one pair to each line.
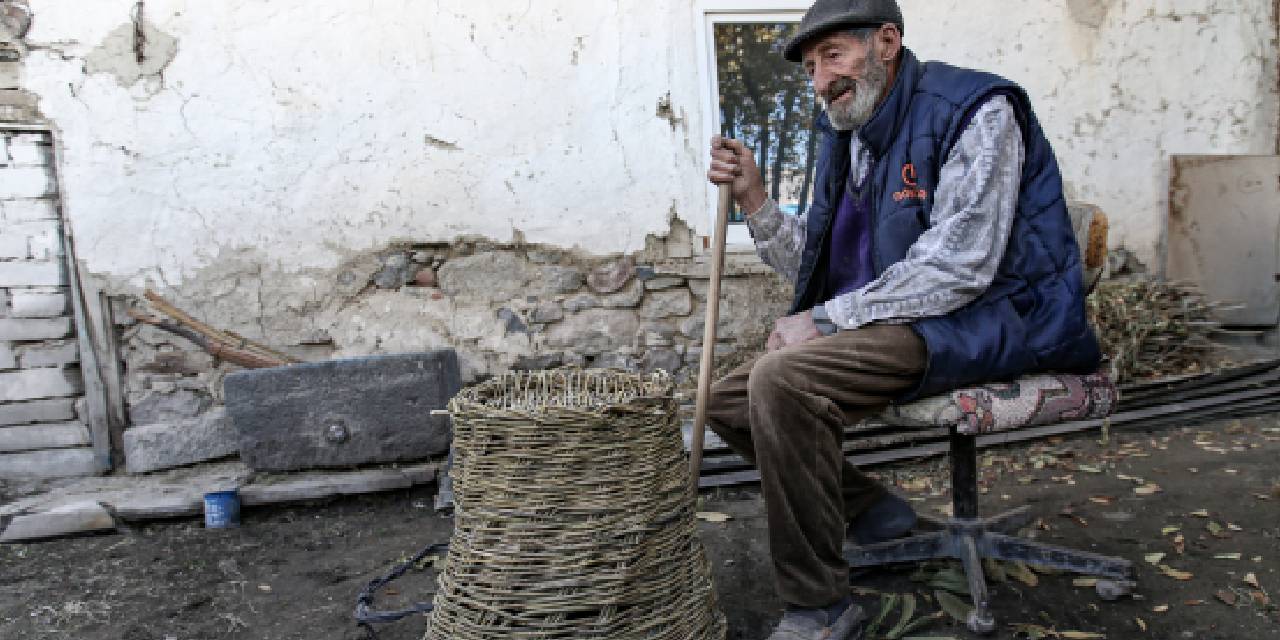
501, 306
40, 382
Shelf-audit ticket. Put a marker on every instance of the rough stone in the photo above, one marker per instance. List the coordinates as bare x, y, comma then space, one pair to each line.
538, 362
167, 445
180, 404
667, 304
748, 306
594, 331
557, 279
56, 410
658, 284
581, 302
512, 321
543, 256
344, 412
628, 298
48, 463
608, 278
614, 361
494, 276
664, 359
546, 312
49, 354
396, 272
43, 436
38, 305
81, 517
31, 384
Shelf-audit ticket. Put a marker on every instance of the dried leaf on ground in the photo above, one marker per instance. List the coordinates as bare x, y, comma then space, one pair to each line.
1226, 556
1168, 529
1081, 635
1180, 544
1084, 582
714, 516
1201, 513
1147, 489
1102, 499
1153, 558
1193, 603
1260, 598
1176, 574
1227, 597
1142, 624
1160, 608
1252, 580
958, 609
1216, 530
1023, 574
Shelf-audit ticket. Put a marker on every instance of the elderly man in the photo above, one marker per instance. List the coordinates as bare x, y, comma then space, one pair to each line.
937, 253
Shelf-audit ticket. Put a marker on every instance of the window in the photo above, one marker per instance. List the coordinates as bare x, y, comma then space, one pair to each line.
752, 94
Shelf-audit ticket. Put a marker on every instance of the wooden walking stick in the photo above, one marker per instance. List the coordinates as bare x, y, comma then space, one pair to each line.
709, 330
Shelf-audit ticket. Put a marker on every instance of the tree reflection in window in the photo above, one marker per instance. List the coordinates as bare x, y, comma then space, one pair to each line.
767, 103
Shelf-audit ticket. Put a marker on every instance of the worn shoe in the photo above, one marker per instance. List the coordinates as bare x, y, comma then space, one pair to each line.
886, 519
841, 622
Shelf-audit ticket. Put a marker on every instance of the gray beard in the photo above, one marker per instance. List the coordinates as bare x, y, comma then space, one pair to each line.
866, 95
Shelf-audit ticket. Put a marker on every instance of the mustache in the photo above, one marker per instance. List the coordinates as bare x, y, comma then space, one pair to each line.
839, 86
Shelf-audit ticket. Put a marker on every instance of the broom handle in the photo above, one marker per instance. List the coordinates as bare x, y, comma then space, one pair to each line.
709, 331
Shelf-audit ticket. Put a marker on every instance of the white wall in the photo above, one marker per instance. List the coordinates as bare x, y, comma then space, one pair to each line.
294, 133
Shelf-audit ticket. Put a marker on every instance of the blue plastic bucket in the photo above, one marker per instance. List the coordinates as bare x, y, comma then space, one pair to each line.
222, 509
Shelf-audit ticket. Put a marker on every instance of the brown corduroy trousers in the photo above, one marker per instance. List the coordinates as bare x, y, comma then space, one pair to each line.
785, 412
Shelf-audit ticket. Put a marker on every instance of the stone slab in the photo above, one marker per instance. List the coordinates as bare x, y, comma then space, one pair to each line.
27, 304
31, 384
344, 412
145, 505
324, 487
48, 463
55, 410
49, 354
73, 518
22, 329
167, 445
43, 436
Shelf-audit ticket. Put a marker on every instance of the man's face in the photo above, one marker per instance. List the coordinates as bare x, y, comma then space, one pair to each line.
848, 77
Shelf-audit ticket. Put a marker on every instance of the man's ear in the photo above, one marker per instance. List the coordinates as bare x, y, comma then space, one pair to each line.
888, 42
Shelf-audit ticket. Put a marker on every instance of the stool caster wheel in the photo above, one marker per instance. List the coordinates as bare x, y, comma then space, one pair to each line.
980, 624
1112, 590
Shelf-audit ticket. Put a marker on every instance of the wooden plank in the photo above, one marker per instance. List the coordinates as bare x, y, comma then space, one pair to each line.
43, 436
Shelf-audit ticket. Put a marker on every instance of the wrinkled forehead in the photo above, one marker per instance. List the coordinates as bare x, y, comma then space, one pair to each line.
834, 40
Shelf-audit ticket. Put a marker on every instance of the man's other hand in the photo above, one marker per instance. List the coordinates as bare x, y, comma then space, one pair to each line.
792, 330
733, 163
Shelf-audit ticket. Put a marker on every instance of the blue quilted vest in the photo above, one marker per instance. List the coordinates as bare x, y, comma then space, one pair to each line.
1032, 317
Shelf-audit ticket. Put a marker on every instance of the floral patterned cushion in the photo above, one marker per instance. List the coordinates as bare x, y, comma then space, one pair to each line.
1003, 406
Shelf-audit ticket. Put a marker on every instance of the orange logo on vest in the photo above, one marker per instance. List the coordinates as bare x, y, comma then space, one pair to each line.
911, 188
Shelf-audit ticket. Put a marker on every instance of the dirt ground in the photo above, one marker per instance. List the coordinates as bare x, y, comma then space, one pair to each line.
1207, 497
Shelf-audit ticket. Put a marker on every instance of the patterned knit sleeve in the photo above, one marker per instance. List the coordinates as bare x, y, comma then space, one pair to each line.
779, 239
956, 258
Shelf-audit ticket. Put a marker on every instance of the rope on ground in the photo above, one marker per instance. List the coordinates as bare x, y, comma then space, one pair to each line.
366, 616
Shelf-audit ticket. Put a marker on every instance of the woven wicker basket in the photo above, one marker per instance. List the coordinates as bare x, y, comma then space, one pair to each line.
574, 514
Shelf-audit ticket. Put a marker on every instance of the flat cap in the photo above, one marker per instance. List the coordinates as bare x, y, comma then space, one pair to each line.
826, 16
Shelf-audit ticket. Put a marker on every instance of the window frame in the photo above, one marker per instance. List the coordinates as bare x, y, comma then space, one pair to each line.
710, 13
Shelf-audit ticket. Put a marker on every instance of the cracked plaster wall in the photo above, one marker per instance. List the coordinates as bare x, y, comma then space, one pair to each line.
280, 141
